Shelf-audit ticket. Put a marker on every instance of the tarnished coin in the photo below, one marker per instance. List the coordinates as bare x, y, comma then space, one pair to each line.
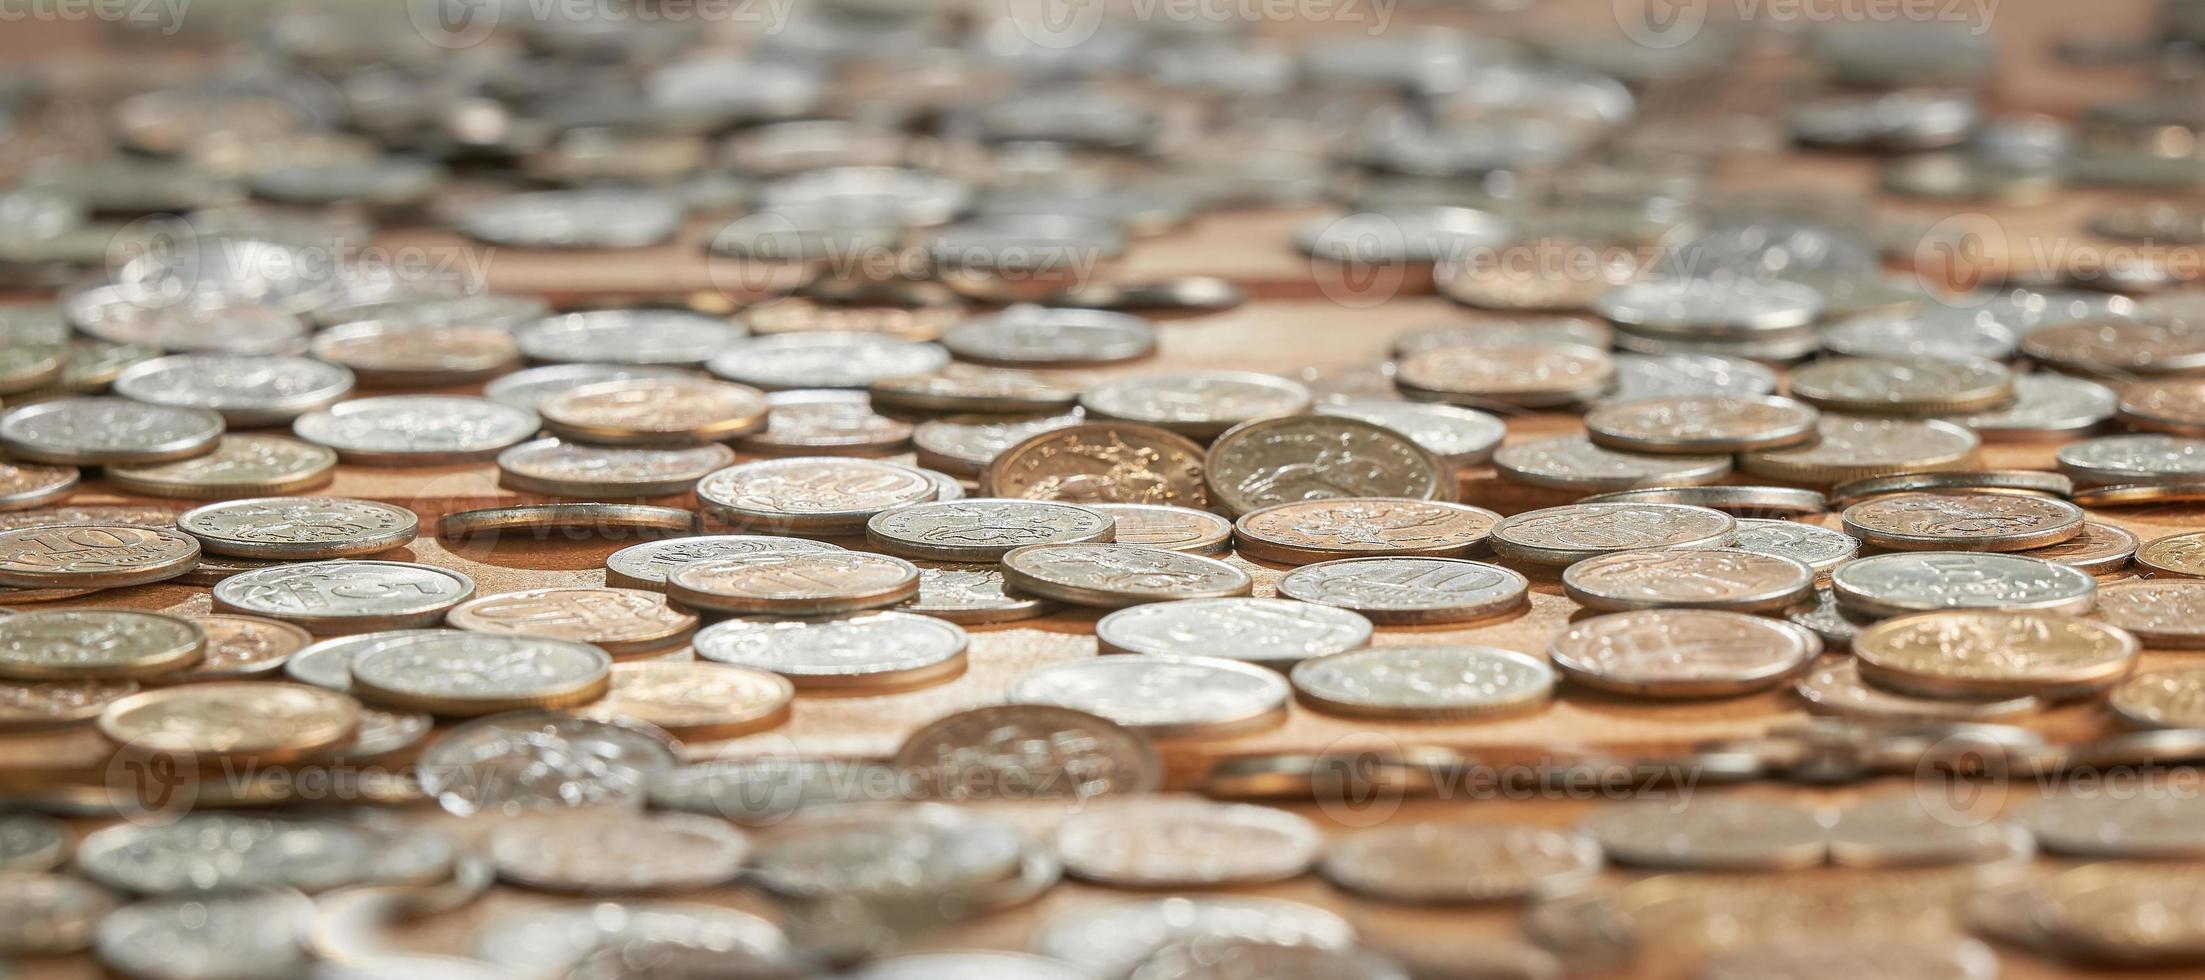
465, 674
1968, 653
1835, 687
2045, 406
1313, 457
1701, 424
971, 594
240, 648
655, 412
611, 520
240, 466
1321, 530
645, 566
1742, 501
26, 485
2101, 549
1112, 939
811, 494
1563, 535
565, 469
874, 651
1963, 521
1425, 683
1027, 751
400, 354
2171, 405
966, 444
964, 389
620, 622
1163, 697
1273, 632
1819, 548
2161, 699
2118, 346
826, 423
1879, 386
642, 337
1955, 957
2133, 459
815, 583
1576, 463
1030, 336
527, 390
1197, 404
1516, 375
2035, 483
1461, 863
612, 852
825, 360
524, 760
93, 556
2176, 555
32, 705
254, 935
418, 430
1171, 528
1693, 578
300, 528
107, 431
1728, 832
1117, 575
245, 390
339, 597
2168, 614
981, 530
1683, 653
1102, 462
1924, 581
1410, 590
1184, 842
96, 644
1850, 448
262, 721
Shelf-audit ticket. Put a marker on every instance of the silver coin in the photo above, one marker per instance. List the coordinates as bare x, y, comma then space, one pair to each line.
328, 663
642, 337
464, 673
1923, 581
967, 966
30, 842
1550, 331
966, 444
1118, 575
246, 390
1576, 463
1710, 833
546, 942
1462, 436
382, 181
299, 528
1433, 863
222, 852
1940, 332
970, 594
1426, 682
1819, 548
613, 852
1403, 590
1112, 939
107, 431
645, 566
815, 494
1198, 404
566, 469
438, 309
2139, 458
886, 851
762, 792
1275, 633
1401, 234
1184, 842
336, 597
1562, 535
529, 389
124, 314
2045, 406
246, 936
573, 219
1688, 578
825, 359
1711, 307
1640, 376
1032, 336
1742, 501
907, 198
50, 913
881, 650
526, 760
1197, 532
418, 430
1163, 697
982, 529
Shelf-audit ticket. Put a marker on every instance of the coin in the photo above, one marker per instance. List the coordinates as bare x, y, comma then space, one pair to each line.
839, 423
1697, 578
93, 556
1024, 336
971, 594
1683, 653
1644, 376
417, 430
1201, 405
874, 651
1461, 436
240, 466
400, 354
2161, 699
1963, 521
248, 935
645, 566
26, 485
2171, 405
1923, 581
1117, 575
1027, 751
2133, 459
2026, 482
26, 706
2118, 346
1410, 590
531, 759
1988, 654
527, 390
1307, 457
339, 597
655, 412
240, 648
613, 853
1818, 548
1112, 938
245, 390
612, 520
50, 913
1728, 832
824, 360
218, 852
262, 721
2148, 823
1739, 500
1710, 307
1162, 697
1320, 530
1562, 535
1102, 462
815, 583
1515, 375
620, 622
2045, 406
565, 469
1425, 683
2136, 494
1848, 448
1880, 386
966, 444
982, 530
1434, 863
107, 431
1701, 424
466, 674
28, 366
2176, 555
1835, 687
2162, 613
811, 494
1171, 528
1183, 842
95, 644
1272, 632
640, 337
2101, 549
964, 389
300, 528
550, 941
1956, 957
1575, 463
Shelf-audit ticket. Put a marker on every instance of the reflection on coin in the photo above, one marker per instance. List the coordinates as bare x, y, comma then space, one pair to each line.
1102, 462
1163, 697
1425, 683
300, 528
1694, 578
811, 494
96, 644
970, 594
2161, 699
338, 597
824, 360
1462, 436
1966, 653
603, 852
1709, 833
464, 674
1701, 424
53, 704
417, 430
1309, 457
2133, 459
1450, 863
1320, 530
1818, 548
1879, 386
107, 431
1027, 751
240, 466
1410, 590
263, 721
1835, 687
1273, 632
1575, 463
2101, 549
529, 759
566, 469
1963, 521
877, 650
1112, 939
1117, 575
1683, 653
2168, 614
25, 485
1197, 404
1197, 532
93, 556
2176, 555
1182, 842
240, 647
1516, 375
654, 412
829, 423
645, 566
982, 529
1896, 584
247, 936
2045, 406
815, 583
1851, 448
630, 337
1563, 535
619, 621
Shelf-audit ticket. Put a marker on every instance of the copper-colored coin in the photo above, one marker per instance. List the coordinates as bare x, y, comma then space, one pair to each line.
1683, 653
1851, 448
2039, 483
817, 583
240, 648
2175, 405
961, 388
1028, 751
1196, 532
1693, 578
2101, 549
655, 412
2188, 491
618, 621
809, 495
793, 314
2161, 699
1702, 424
1965, 653
1523, 375
565, 469
240, 466
696, 700
262, 721
1102, 462
401, 354
24, 485
96, 644
1322, 530
826, 423
49, 704
93, 556
2164, 613
1308, 457
2180, 555
2118, 346
1963, 521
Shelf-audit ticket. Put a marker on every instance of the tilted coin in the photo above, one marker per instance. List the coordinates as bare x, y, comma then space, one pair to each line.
1728, 832
1410, 590
2045, 406
418, 430
1819, 548
2185, 491
1308, 457
525, 760
824, 360
253, 935
874, 650
1923, 581
1701, 424
1023, 336
2176, 555
2171, 405
1461, 862
1879, 386
263, 721
645, 566
2163, 613
1692, 578
1683, 653
2124, 914
971, 594
1320, 530
239, 648
1956, 957
25, 485
1963, 521
466, 674
1027, 751
50, 913
395, 354
96, 644
1743, 501
1517, 375
1164, 526
527, 390
1112, 939
815, 583
1951, 333
1462, 436
612, 520
2101, 549
2026, 482
565, 469
1425, 683
1102, 462
614, 852
93, 556
26, 706
107, 431
1117, 575
1201, 405
1181, 842
618, 621
300, 528
1272, 632
2118, 346
339, 597
2133, 459
973, 390
240, 466
642, 337
966, 444
245, 390
655, 412
1163, 697
550, 941
982, 529
1835, 687
1981, 654
837, 423
1851, 448
1576, 463
811, 494
1562, 535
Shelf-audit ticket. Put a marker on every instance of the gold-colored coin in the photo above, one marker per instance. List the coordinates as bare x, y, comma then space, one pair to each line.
1102, 462
240, 466
1852, 448
1963, 521
1879, 386
655, 412
96, 644
1988, 654
25, 485
619, 621
2179, 555
2101, 549
1309, 531
696, 700
2161, 699
240, 648
264, 722
93, 556
817, 583
1308, 457
1518, 375
2174, 405
2164, 613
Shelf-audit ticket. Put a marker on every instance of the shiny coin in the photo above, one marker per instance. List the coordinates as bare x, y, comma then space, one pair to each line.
1185, 529
93, 556
2028, 482
1766, 502
217, 852
1273, 632
1518, 375
1923, 581
107, 431
1307, 457
1425, 683
1710, 833
528, 389
2118, 346
582, 219
26, 706
811, 495
1163, 697
1820, 549
612, 520
50, 914
827, 423
655, 412
1948, 333
815, 583
971, 595
1321, 530
338, 597
1990, 654
2137, 494
645, 566
2045, 406
966, 444
1644, 376
1410, 590
96, 644
548, 942
1197, 404
1955, 957
1576, 463
2162, 613
1701, 424
614, 852
872, 651
1877, 386
244, 390
1116, 575
2144, 824
1102, 462
2101, 549
764, 791
1027, 751
1552, 331
1963, 521
982, 530
1562, 535
630, 337
1112, 939
1849, 448
2172, 405
239, 648
1025, 336
887, 852
245, 936
1835, 687
620, 622
1697, 578
240, 466
2176, 555
1461, 436
27, 366
300, 528
465, 674
1461, 863
328, 663
1683, 653
407, 355
973, 390
825, 360
262, 721
566, 469
418, 430
26, 485
530, 759
1178, 842
2133, 459
2161, 699
1709, 307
